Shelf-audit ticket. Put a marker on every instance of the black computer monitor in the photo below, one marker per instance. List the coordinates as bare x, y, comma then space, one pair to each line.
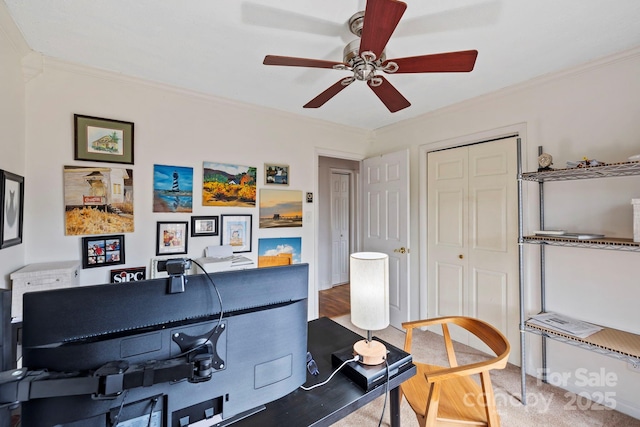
257, 346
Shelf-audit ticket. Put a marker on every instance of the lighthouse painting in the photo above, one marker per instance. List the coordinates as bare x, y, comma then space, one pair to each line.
172, 188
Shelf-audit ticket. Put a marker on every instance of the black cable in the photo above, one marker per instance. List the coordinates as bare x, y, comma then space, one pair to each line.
114, 422
386, 393
154, 401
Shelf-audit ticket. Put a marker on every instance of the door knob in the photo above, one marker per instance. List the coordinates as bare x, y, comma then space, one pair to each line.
460, 256
402, 250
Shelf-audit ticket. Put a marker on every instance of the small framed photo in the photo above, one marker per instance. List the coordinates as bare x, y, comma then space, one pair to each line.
11, 211
236, 231
101, 251
204, 226
276, 174
103, 140
171, 237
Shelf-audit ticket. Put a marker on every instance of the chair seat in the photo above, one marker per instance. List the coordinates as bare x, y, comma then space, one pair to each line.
460, 397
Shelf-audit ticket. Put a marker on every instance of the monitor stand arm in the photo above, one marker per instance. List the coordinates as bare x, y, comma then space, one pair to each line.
108, 382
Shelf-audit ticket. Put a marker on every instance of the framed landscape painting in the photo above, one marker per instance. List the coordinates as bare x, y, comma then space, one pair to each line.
280, 208
103, 140
228, 185
279, 251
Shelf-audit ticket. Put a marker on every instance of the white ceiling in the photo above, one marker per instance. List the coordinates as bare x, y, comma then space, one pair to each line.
216, 47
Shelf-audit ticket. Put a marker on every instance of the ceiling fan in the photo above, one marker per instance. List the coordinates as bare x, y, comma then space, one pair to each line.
366, 56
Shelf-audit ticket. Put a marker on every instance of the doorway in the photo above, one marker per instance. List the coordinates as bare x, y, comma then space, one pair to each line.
337, 219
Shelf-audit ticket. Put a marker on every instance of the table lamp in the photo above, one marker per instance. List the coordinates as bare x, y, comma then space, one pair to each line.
369, 287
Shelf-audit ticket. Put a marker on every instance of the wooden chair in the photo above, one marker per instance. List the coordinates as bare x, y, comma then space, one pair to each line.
442, 396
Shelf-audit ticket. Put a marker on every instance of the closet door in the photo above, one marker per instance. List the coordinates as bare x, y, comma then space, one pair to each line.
472, 235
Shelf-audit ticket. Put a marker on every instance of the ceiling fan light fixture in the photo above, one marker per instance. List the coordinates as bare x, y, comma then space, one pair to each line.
356, 22
364, 71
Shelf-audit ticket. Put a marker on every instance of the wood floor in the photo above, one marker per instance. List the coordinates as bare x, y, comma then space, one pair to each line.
334, 302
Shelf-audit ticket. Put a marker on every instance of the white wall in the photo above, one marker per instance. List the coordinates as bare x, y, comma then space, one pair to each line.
172, 127
12, 124
591, 111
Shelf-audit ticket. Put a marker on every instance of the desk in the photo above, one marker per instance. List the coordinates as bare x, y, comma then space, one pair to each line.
327, 404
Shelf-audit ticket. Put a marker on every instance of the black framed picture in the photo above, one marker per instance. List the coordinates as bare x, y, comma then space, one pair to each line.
204, 226
11, 211
101, 251
171, 237
103, 140
236, 231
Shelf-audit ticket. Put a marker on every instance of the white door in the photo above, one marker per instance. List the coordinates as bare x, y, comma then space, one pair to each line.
340, 197
472, 258
386, 223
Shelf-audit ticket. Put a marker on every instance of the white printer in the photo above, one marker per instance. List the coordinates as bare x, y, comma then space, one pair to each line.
220, 258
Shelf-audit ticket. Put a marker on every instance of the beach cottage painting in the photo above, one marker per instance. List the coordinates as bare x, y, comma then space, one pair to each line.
98, 200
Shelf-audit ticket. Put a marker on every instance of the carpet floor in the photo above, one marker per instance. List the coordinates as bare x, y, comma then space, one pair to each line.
547, 405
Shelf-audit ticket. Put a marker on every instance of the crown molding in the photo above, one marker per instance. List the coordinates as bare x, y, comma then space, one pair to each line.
75, 68
12, 32
626, 55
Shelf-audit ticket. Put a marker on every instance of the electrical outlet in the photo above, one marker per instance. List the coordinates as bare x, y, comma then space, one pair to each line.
634, 366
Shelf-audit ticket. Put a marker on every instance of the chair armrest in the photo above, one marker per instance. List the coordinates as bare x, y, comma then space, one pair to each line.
426, 322
467, 370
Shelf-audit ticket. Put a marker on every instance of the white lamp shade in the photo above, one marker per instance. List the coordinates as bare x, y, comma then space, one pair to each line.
369, 287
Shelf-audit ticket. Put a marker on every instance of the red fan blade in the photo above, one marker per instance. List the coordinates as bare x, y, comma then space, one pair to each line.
389, 95
298, 62
381, 18
451, 62
332, 91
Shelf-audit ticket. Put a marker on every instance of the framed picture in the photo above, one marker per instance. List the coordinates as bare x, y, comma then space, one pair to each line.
98, 200
204, 226
171, 237
100, 251
280, 208
103, 140
276, 174
11, 211
279, 251
228, 185
172, 188
236, 231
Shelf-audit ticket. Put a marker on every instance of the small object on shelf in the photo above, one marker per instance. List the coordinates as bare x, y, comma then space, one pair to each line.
549, 232
564, 324
585, 163
545, 160
583, 236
